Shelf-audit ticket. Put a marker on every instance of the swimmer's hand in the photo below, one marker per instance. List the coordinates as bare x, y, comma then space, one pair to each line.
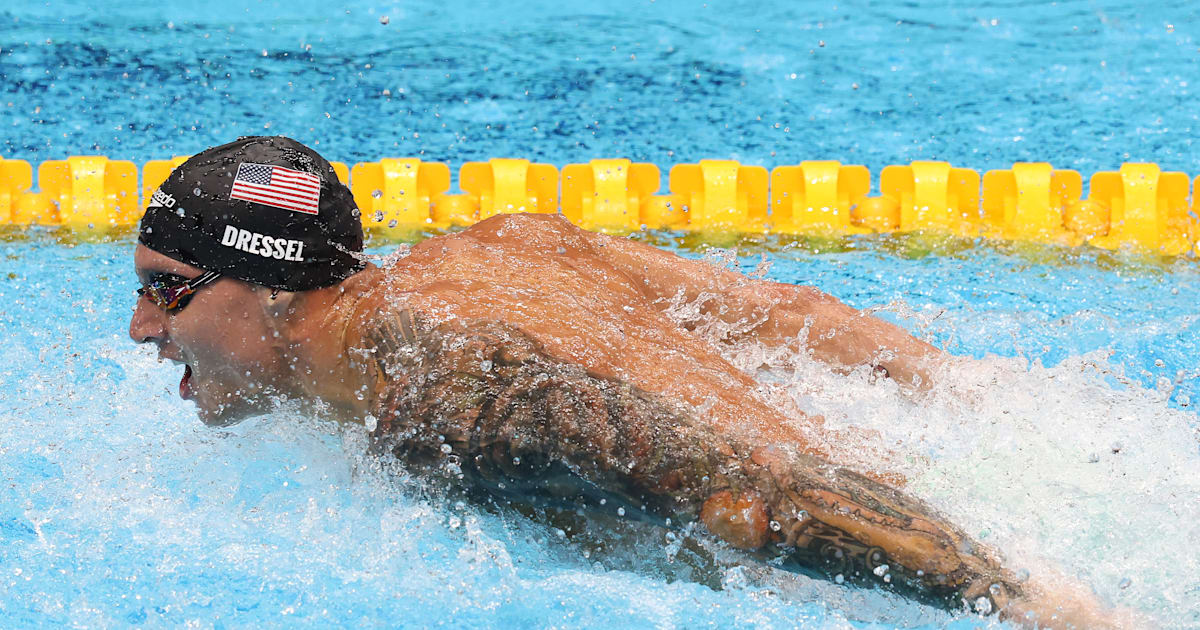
1057, 602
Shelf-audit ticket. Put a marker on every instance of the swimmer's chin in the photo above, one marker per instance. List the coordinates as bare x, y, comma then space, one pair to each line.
228, 414
222, 416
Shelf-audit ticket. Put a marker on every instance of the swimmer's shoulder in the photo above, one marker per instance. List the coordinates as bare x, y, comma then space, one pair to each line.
527, 229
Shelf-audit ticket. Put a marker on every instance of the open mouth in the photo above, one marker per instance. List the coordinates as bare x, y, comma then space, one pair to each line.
185, 383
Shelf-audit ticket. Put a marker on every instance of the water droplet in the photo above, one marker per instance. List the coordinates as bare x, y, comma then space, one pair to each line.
384, 20
446, 448
775, 526
880, 570
485, 365
516, 461
196, 191
839, 578
378, 216
376, 193
620, 511
1125, 582
983, 605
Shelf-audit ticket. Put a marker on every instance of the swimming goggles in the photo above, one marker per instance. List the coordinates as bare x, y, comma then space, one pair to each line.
175, 296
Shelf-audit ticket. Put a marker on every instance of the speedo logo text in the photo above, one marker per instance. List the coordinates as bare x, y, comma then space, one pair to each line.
262, 245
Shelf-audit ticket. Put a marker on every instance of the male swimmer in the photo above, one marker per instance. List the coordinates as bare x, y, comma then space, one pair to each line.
537, 362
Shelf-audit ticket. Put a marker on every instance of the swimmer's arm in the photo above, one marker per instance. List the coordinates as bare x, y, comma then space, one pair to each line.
775, 313
490, 406
868, 532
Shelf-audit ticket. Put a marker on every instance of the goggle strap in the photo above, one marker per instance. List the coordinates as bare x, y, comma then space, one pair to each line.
203, 279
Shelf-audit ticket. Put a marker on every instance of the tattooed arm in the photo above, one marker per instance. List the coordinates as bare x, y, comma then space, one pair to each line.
488, 407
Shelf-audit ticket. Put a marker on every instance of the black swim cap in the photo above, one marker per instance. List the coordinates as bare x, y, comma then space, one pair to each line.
264, 209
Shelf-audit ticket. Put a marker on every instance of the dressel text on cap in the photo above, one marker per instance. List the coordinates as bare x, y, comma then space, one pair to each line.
265, 246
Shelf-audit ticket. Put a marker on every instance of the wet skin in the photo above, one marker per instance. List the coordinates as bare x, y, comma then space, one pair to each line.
525, 338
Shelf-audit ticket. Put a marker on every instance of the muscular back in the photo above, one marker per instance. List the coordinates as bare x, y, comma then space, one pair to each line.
555, 284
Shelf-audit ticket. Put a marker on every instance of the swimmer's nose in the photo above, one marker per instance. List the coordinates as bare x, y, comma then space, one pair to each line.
148, 322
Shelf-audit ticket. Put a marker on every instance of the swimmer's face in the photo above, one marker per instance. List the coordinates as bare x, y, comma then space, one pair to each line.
222, 336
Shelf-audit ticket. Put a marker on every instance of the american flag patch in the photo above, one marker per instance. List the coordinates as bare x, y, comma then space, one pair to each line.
277, 187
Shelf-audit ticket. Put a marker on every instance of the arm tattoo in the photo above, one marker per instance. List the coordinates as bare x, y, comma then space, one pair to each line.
526, 427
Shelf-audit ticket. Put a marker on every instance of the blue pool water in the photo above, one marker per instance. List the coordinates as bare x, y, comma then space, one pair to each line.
1072, 440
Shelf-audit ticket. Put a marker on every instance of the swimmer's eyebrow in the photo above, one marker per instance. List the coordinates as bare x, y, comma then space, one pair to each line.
148, 276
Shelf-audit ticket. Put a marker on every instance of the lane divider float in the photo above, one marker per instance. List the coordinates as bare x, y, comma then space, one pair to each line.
1138, 206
